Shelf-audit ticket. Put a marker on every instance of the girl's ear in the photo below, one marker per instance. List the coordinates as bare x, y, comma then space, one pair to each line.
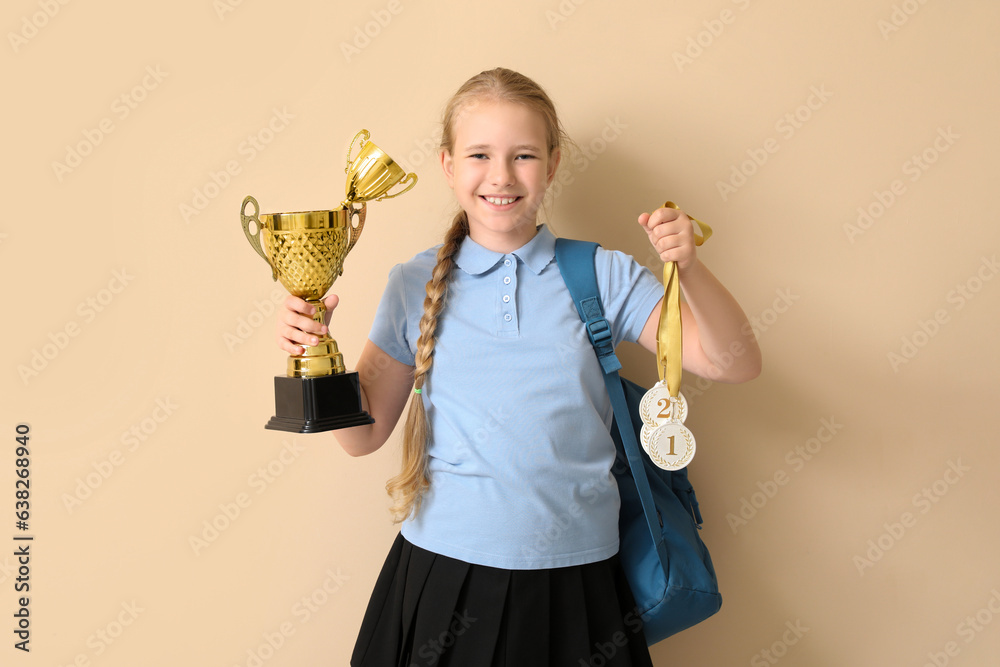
553, 165
448, 167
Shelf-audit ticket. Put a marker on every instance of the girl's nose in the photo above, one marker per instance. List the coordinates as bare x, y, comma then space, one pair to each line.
501, 173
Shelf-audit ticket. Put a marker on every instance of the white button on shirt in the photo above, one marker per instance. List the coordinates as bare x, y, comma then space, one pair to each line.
520, 457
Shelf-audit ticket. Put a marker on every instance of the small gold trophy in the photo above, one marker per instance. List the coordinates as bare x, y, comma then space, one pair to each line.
306, 252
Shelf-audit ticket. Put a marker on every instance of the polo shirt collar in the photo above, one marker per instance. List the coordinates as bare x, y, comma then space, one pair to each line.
536, 254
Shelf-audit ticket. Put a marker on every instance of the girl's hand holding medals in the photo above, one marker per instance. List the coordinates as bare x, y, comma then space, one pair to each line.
669, 444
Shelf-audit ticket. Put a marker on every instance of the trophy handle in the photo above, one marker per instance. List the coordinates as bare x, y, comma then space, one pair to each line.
366, 137
356, 229
411, 180
254, 238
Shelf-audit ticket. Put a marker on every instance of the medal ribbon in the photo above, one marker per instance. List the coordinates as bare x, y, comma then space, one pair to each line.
668, 333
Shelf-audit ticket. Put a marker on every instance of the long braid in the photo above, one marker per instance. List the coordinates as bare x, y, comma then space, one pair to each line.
408, 487
497, 85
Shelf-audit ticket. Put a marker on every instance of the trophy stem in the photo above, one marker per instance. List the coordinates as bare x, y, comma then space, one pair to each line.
317, 394
318, 360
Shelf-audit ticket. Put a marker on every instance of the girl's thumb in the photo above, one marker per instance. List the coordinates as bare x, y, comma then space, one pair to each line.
330, 302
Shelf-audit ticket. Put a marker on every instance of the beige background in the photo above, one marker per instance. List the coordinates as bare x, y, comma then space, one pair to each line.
135, 306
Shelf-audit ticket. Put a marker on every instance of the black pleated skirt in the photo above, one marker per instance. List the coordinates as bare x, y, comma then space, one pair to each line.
434, 611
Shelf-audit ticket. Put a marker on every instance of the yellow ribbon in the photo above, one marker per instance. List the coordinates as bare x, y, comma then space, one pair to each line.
668, 333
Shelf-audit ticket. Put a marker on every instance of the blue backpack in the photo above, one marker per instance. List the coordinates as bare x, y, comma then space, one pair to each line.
667, 565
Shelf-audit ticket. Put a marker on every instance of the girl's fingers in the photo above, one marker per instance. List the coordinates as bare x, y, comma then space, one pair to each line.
296, 326
292, 339
304, 323
298, 305
671, 234
662, 216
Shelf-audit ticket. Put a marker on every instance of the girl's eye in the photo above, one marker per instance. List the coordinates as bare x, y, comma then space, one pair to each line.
484, 156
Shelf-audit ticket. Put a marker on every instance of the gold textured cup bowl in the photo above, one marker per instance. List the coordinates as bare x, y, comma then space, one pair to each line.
373, 173
306, 252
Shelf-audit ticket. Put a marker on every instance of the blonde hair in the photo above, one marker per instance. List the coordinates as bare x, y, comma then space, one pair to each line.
495, 85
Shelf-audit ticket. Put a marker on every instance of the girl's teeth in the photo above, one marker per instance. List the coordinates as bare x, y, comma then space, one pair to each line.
501, 201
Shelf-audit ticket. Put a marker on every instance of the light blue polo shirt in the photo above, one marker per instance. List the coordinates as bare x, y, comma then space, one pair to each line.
520, 449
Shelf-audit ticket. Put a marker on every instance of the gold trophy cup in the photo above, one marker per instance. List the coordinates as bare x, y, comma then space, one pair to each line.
306, 252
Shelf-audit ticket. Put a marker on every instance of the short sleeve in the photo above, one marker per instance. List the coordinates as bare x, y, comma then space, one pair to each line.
390, 328
629, 292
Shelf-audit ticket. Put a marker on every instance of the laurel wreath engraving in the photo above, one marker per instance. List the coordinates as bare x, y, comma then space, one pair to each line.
676, 464
650, 399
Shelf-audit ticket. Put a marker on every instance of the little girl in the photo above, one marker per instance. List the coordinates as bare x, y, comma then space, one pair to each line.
507, 553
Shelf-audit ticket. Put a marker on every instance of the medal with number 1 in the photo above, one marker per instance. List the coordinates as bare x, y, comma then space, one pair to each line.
669, 444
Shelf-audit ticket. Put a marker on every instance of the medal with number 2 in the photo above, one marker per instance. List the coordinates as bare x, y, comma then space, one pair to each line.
661, 415
669, 444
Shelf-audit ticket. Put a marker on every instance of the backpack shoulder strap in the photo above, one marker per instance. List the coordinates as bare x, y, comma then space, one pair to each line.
576, 263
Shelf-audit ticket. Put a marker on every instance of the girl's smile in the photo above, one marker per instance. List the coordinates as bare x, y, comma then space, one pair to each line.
500, 203
499, 171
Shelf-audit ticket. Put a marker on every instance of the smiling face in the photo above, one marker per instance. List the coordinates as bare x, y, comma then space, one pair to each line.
499, 170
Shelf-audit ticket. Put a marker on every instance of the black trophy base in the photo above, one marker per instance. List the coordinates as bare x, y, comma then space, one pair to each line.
314, 405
